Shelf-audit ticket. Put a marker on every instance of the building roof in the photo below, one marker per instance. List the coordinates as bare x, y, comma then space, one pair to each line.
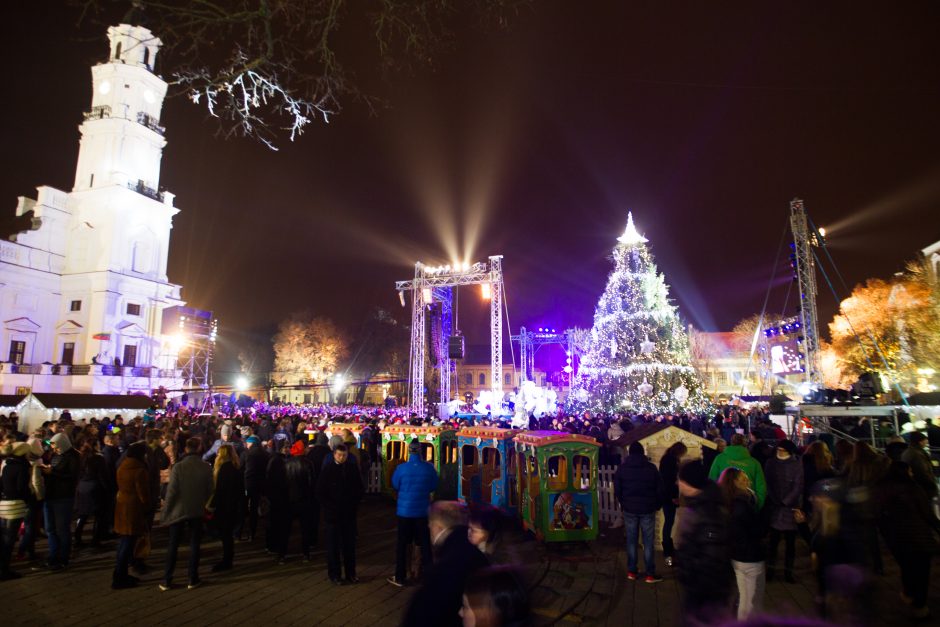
93, 401
11, 400
648, 429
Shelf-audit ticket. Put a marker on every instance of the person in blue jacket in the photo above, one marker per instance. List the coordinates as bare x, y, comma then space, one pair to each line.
414, 481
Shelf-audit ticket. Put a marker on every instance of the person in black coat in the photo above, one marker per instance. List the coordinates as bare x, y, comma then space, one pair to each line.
91, 500
910, 530
227, 503
746, 535
339, 489
439, 599
14, 487
275, 490
299, 474
639, 488
255, 461
669, 471
318, 455
703, 552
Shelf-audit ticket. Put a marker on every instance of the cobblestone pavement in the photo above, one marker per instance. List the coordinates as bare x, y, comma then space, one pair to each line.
576, 584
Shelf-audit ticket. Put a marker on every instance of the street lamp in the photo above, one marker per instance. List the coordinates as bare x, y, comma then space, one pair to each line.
241, 384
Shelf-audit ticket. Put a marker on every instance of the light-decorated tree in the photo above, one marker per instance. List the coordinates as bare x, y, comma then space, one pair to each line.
638, 357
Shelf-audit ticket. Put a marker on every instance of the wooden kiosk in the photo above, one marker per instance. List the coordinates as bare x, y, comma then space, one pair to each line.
438, 446
556, 473
487, 467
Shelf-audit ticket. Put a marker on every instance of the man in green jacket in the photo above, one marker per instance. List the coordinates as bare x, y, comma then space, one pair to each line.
737, 455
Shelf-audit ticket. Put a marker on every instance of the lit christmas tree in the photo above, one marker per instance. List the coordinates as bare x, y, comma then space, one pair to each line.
637, 357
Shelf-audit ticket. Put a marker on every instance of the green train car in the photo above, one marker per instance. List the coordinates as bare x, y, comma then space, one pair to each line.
438, 446
556, 476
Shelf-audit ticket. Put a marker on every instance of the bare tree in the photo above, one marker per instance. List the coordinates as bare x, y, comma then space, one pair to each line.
264, 68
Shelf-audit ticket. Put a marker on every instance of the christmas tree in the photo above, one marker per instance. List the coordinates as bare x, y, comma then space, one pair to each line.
637, 357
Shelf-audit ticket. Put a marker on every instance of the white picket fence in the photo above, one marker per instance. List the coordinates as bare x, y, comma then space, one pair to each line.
606, 501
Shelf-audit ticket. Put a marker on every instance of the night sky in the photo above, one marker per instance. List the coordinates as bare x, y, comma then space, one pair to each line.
703, 119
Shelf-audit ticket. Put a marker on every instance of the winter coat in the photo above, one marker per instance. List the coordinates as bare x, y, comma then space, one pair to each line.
339, 489
414, 481
189, 490
703, 551
669, 471
228, 500
919, 462
14, 480
738, 457
133, 498
62, 481
438, 601
784, 491
638, 486
255, 465
276, 483
92, 487
300, 485
746, 531
906, 519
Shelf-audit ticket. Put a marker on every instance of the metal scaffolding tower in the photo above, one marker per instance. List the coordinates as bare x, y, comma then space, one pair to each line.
530, 341
432, 291
806, 276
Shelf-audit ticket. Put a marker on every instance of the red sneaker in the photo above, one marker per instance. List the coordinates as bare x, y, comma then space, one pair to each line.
631, 576
652, 579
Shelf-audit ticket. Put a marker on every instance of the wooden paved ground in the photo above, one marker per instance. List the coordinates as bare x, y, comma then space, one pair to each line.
571, 585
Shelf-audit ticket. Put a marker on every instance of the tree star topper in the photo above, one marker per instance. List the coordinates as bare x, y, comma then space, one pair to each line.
630, 235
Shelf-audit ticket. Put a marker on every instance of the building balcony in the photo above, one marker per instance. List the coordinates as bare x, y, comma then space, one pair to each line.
143, 189
98, 113
150, 122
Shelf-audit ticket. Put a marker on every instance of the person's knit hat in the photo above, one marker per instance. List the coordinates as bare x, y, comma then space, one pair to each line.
636, 448
245, 431
694, 474
298, 448
225, 431
62, 441
21, 449
414, 447
788, 446
252, 439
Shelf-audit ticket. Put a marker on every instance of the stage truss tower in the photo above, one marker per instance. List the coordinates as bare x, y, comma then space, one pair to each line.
432, 293
803, 240
530, 341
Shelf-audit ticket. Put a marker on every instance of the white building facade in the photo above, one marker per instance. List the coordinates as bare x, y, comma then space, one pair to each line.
82, 296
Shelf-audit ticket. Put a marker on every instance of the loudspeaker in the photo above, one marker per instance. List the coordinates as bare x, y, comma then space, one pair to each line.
455, 347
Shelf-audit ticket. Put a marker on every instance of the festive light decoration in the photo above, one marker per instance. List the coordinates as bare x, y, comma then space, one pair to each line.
638, 355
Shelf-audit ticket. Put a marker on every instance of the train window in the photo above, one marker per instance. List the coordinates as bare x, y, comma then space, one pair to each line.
449, 452
395, 450
533, 467
469, 455
427, 452
511, 460
581, 478
557, 472
491, 457
523, 466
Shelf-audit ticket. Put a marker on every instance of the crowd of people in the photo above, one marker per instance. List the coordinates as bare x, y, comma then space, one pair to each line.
734, 510
223, 473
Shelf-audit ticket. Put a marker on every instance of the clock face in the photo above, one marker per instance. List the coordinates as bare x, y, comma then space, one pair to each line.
104, 87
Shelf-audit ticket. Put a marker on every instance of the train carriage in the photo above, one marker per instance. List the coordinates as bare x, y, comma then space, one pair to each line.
556, 476
438, 446
487, 467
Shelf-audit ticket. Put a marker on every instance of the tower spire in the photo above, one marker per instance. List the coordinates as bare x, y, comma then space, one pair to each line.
630, 235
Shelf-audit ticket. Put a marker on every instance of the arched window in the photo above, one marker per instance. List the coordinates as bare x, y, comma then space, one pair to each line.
482, 378
581, 479
468, 378
147, 56
117, 51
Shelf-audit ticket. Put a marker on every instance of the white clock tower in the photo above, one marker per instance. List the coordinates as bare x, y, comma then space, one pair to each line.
107, 241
